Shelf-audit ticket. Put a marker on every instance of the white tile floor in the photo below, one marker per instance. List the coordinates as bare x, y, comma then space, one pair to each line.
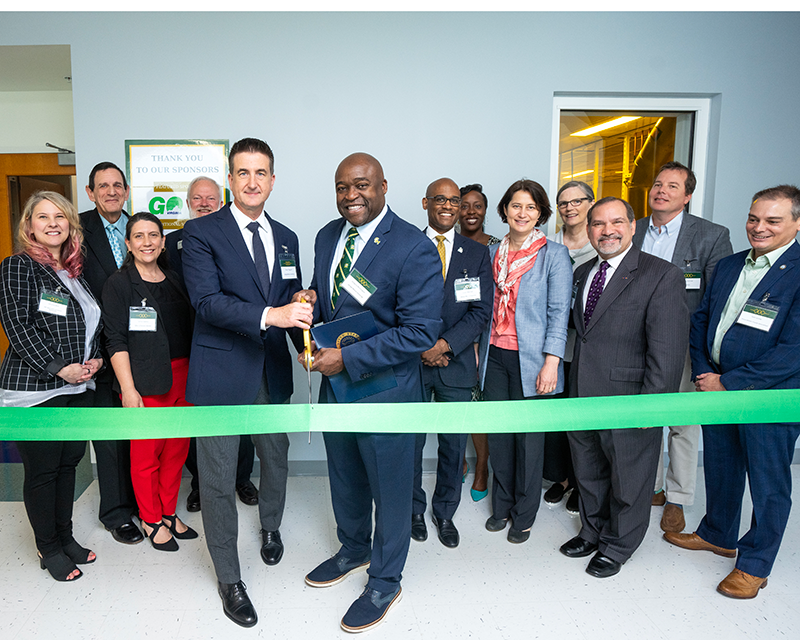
486, 588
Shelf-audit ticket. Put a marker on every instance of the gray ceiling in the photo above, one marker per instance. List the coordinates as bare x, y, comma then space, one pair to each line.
35, 68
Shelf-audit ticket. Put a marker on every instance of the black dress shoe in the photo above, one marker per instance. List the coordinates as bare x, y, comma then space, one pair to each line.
193, 501
236, 604
419, 531
601, 566
127, 533
448, 534
271, 547
578, 548
248, 493
517, 536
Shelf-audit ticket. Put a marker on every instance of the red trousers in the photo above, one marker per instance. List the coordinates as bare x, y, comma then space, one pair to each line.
156, 465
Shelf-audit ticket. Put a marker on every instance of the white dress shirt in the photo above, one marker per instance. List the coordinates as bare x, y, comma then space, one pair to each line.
449, 238
365, 232
267, 239
613, 263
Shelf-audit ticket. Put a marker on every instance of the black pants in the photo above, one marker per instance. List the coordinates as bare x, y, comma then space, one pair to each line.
557, 455
49, 486
517, 458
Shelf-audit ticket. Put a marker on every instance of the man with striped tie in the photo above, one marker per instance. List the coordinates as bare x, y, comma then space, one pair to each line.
370, 259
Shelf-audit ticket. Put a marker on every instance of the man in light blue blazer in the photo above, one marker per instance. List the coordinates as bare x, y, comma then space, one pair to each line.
694, 245
400, 283
450, 370
746, 335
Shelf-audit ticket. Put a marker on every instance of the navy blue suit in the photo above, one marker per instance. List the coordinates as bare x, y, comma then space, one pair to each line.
462, 325
365, 467
233, 362
750, 359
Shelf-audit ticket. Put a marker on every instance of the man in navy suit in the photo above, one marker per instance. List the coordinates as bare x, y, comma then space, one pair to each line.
450, 368
746, 335
232, 268
204, 196
403, 276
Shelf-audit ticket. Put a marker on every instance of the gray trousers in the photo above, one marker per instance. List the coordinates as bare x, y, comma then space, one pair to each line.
216, 463
682, 445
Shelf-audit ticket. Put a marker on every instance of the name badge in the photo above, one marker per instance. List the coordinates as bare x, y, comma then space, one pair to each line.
288, 266
359, 287
53, 302
758, 315
142, 319
180, 244
468, 289
692, 279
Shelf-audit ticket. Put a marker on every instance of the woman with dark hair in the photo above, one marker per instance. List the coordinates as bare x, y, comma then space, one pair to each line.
522, 348
53, 327
474, 204
574, 199
148, 325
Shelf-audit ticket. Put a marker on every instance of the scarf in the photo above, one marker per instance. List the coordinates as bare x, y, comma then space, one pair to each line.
507, 276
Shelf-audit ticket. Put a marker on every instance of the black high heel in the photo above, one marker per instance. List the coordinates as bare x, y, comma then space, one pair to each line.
189, 534
59, 566
169, 545
77, 553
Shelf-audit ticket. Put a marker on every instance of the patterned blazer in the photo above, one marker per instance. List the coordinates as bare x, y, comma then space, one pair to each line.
41, 344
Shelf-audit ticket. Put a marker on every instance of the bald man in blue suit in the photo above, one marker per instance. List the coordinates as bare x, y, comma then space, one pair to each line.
404, 268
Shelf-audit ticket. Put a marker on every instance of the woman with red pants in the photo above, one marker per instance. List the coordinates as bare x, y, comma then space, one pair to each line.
148, 326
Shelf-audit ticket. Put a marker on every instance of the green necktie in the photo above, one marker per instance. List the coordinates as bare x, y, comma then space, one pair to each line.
345, 264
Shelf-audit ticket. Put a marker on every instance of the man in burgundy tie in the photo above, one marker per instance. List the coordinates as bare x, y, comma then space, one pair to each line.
632, 325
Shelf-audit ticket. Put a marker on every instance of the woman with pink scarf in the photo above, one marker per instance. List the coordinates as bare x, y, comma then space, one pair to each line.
522, 348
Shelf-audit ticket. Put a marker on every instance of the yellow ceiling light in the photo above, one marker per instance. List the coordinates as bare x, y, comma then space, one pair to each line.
603, 126
580, 173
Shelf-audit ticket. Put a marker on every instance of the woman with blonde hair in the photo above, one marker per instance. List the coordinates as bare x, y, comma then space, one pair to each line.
53, 325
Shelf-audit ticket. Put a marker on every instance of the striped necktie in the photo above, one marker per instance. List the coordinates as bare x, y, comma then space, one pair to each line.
345, 264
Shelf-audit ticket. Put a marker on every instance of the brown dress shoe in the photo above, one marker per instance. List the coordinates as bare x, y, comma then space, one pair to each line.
741, 585
672, 519
693, 542
659, 499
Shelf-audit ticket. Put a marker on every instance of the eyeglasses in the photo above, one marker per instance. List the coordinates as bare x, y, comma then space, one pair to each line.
574, 203
440, 200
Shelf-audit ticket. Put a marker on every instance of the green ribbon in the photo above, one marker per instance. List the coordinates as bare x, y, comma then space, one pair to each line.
560, 414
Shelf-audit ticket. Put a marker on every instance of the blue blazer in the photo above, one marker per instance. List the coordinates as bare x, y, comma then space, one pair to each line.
407, 305
463, 322
230, 353
751, 358
541, 315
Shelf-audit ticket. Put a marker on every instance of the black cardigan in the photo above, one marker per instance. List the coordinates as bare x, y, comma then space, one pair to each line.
148, 350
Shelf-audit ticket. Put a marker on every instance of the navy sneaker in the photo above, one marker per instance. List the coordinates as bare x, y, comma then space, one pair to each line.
336, 569
370, 609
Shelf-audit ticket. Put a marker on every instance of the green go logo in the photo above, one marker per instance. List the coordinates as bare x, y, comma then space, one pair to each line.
159, 206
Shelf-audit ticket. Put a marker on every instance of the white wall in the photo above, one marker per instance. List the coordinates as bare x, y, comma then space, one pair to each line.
466, 95
31, 118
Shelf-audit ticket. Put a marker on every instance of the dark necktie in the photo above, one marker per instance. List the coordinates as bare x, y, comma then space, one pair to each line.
345, 265
260, 258
595, 290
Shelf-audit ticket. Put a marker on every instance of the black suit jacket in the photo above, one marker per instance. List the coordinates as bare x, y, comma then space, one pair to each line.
174, 246
463, 322
148, 350
98, 259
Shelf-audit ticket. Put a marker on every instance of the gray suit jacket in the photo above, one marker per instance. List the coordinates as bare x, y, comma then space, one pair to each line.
637, 338
701, 244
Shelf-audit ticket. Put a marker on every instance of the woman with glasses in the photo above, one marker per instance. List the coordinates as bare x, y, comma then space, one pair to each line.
521, 351
574, 199
53, 326
471, 222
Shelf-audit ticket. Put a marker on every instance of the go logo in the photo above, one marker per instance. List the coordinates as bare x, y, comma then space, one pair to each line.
158, 206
